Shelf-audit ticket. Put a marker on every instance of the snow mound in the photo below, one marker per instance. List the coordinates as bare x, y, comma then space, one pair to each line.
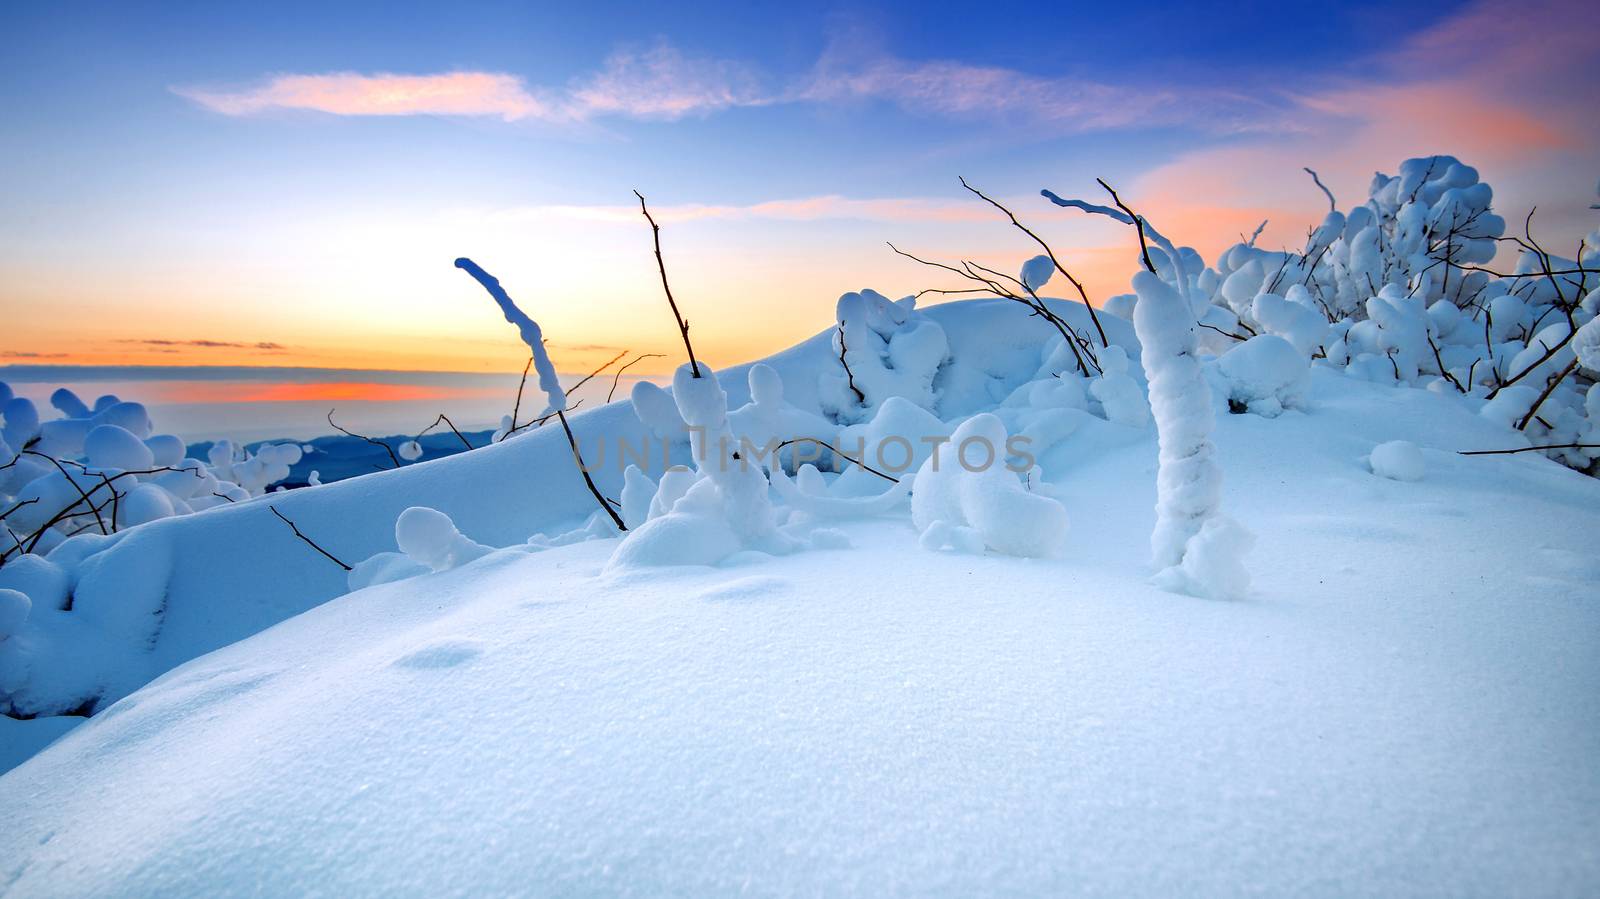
1397, 460
965, 496
1264, 375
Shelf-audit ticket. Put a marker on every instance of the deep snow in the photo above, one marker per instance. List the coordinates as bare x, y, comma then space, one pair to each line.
1405, 704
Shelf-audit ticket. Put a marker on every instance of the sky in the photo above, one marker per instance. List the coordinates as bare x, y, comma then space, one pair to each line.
220, 184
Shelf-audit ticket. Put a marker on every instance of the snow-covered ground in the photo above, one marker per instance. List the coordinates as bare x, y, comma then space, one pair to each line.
1405, 702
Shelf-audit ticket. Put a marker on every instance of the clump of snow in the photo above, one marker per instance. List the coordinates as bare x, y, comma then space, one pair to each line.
1119, 394
965, 496
110, 446
1265, 375
1397, 460
409, 450
1036, 272
430, 538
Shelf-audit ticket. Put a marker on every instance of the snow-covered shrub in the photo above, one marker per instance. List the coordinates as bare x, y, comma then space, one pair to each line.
885, 349
965, 496
723, 507
1192, 546
1264, 375
99, 469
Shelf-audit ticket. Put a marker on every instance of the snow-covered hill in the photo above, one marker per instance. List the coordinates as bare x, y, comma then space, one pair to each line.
1404, 702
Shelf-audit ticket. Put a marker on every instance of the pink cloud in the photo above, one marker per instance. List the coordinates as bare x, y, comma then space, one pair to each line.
658, 82
349, 93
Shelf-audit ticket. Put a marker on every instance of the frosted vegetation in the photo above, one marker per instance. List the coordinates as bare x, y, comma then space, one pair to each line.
959, 420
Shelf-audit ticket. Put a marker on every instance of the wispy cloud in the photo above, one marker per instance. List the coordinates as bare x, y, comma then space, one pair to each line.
657, 82
805, 209
265, 346
849, 71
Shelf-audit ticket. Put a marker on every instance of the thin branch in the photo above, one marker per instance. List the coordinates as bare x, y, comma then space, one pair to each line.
1549, 389
850, 377
446, 419
1138, 222
588, 377
516, 408
1048, 252
584, 470
683, 326
864, 466
386, 447
1528, 449
618, 378
309, 542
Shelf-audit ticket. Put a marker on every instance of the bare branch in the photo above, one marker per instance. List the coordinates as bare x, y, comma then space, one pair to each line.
386, 447
618, 378
683, 326
864, 466
1048, 252
584, 470
850, 377
309, 542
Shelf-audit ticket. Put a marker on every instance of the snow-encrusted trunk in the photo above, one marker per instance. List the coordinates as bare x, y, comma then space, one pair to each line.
1188, 482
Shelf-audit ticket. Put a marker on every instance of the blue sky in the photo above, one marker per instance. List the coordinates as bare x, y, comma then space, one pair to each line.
220, 173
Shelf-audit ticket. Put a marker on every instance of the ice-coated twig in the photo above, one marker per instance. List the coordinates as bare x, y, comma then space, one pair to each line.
309, 542
1333, 205
534, 338
683, 324
527, 328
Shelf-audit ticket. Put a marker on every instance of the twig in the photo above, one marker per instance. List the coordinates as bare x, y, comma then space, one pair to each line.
1144, 246
517, 407
850, 377
588, 377
683, 326
1528, 449
1548, 389
584, 470
386, 447
446, 419
1332, 206
1048, 252
309, 542
838, 452
618, 378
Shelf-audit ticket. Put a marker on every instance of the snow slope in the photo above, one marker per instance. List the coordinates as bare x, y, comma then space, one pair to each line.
1406, 703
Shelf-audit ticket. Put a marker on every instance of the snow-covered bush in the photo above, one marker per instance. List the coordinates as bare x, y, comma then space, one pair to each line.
100, 469
1189, 481
725, 507
885, 349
